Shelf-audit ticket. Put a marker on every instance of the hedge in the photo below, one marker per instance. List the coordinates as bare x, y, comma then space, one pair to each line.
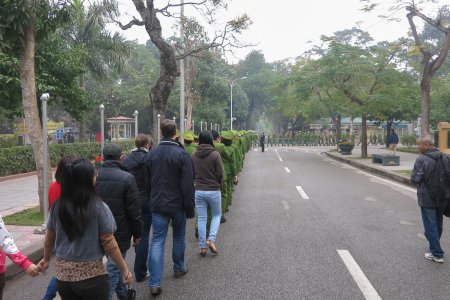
20, 159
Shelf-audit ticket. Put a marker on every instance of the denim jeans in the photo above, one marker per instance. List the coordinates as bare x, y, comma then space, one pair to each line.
203, 199
140, 261
160, 226
115, 278
51, 291
432, 223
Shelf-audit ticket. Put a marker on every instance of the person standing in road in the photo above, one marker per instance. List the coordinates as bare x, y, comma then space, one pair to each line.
262, 141
393, 141
135, 164
171, 174
432, 212
118, 189
80, 228
208, 179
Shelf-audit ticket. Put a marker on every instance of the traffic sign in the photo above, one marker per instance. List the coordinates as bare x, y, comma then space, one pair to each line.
59, 133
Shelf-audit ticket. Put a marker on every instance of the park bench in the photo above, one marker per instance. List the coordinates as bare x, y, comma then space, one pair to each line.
386, 159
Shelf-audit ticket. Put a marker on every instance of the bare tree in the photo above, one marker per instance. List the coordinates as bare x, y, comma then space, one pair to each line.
431, 62
160, 92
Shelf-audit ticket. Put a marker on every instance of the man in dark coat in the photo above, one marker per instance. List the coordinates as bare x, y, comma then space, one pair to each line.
135, 164
171, 174
262, 141
432, 212
118, 190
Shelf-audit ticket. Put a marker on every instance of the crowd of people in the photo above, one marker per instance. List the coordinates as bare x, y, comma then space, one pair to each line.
97, 215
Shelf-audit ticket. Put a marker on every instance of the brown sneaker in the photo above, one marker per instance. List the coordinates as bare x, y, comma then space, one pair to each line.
211, 246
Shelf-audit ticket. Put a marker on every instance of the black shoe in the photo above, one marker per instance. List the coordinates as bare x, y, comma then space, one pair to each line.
196, 233
131, 294
180, 273
222, 220
155, 290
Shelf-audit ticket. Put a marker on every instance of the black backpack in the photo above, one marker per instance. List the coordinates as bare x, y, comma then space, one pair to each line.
438, 181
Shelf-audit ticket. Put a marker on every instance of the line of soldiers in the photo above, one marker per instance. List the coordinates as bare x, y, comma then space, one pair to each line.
298, 138
232, 146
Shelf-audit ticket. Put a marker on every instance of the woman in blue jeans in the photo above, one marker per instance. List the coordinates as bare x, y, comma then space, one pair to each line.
208, 177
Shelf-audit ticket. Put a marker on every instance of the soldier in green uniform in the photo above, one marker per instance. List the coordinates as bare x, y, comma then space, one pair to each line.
189, 143
230, 164
225, 156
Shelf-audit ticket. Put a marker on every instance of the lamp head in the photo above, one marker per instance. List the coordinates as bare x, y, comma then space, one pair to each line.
101, 107
135, 113
45, 97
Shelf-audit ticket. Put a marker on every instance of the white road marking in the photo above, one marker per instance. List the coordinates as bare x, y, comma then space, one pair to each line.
279, 157
407, 223
421, 235
363, 283
285, 205
372, 199
302, 192
287, 170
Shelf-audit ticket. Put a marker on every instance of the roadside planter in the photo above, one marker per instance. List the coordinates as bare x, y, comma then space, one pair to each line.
346, 148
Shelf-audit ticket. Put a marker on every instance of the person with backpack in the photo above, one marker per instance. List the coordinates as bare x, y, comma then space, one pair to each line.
430, 202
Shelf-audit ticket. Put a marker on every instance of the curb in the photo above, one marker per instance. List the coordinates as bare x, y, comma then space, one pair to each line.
387, 174
16, 176
33, 252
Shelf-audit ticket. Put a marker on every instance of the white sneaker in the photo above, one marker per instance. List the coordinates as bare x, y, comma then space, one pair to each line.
430, 256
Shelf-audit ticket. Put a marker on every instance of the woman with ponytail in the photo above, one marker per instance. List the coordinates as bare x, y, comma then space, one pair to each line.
80, 227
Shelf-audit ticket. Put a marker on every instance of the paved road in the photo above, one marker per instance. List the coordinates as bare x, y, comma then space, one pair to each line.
303, 226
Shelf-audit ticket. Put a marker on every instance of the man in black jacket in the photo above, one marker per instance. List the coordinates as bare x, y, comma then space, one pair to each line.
118, 190
171, 174
135, 164
432, 212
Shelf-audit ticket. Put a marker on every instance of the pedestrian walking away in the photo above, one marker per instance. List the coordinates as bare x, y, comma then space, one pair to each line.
262, 141
171, 174
54, 192
208, 179
135, 164
118, 189
393, 141
80, 227
431, 210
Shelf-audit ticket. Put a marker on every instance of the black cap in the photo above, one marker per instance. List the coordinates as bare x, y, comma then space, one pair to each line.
112, 152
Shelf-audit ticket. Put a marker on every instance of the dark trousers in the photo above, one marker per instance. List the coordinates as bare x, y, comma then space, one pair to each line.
140, 261
2, 285
262, 147
93, 288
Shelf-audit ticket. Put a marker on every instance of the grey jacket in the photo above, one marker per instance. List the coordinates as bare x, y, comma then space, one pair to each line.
423, 166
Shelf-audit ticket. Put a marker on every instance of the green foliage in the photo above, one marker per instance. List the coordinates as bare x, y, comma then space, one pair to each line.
20, 159
408, 140
7, 140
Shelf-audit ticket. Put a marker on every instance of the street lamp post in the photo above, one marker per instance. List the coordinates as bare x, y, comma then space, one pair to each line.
159, 128
201, 126
102, 126
231, 98
44, 99
135, 123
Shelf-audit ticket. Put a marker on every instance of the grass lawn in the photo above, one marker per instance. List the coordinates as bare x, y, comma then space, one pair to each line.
28, 217
406, 173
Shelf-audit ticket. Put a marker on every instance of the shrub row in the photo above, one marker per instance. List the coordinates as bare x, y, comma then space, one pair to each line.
20, 159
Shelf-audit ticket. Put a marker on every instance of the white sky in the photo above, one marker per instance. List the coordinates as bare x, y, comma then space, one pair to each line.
283, 28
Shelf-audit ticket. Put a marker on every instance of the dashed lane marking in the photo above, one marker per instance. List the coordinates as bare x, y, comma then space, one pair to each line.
363, 283
287, 170
302, 192
278, 154
286, 205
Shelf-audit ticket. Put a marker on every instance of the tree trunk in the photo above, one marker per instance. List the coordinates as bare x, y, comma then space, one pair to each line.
364, 136
29, 101
338, 128
82, 128
425, 85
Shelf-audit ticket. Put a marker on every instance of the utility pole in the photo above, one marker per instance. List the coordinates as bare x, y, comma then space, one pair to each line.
182, 114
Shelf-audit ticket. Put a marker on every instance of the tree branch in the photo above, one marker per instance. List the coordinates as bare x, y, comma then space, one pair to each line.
131, 24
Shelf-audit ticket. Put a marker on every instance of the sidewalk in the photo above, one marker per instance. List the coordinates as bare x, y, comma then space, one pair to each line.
399, 173
20, 192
